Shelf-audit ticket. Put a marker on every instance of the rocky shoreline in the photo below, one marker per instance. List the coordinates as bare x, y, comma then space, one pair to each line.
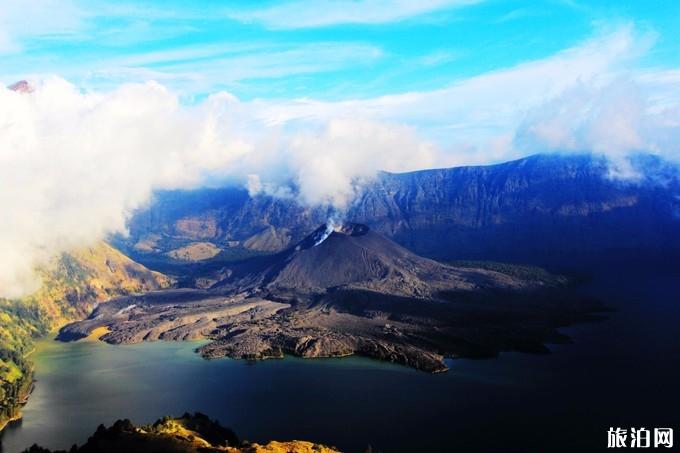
415, 333
346, 290
20, 401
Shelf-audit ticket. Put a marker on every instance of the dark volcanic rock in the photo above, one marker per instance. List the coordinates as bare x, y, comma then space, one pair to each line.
354, 256
349, 290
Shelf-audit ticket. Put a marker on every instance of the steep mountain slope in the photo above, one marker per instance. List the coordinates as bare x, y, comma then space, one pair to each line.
353, 256
72, 284
540, 209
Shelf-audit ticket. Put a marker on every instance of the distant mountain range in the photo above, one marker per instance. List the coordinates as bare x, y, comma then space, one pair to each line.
541, 209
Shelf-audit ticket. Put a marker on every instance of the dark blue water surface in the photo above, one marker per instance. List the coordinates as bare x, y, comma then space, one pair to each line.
621, 372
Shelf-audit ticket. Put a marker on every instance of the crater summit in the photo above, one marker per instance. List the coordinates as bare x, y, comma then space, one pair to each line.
348, 290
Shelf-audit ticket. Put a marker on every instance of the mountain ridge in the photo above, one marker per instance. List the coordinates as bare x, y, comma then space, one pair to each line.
538, 209
190, 433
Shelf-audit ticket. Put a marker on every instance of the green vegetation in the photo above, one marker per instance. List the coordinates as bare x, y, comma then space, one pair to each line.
71, 285
20, 322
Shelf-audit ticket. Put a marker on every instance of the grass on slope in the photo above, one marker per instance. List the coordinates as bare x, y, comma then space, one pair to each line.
71, 286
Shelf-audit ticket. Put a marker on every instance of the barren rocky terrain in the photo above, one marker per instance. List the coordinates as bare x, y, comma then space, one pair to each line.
348, 290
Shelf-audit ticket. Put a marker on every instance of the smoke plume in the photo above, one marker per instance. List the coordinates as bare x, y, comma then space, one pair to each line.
74, 165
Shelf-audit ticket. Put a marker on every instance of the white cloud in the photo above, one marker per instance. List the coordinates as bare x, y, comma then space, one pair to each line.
329, 167
7, 43
437, 58
616, 119
74, 165
39, 19
278, 62
320, 13
472, 117
199, 69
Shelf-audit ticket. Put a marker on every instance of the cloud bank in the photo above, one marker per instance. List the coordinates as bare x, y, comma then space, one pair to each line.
74, 165
37, 19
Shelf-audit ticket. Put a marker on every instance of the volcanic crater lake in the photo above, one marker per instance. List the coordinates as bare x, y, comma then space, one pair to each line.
614, 374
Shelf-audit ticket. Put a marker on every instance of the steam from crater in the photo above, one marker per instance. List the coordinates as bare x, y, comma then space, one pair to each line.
75, 165
334, 223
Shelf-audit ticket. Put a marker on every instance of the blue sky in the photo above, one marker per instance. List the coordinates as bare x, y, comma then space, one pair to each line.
478, 80
307, 99
325, 49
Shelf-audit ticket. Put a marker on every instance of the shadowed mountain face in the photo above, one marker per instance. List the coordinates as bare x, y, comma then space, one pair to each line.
343, 257
349, 290
353, 256
541, 209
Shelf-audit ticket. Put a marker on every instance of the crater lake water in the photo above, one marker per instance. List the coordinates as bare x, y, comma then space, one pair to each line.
620, 372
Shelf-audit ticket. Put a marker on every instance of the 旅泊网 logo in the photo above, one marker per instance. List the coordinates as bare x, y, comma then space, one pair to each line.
640, 438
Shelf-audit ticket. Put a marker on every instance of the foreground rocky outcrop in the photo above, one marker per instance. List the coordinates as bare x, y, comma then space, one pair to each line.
186, 434
347, 290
